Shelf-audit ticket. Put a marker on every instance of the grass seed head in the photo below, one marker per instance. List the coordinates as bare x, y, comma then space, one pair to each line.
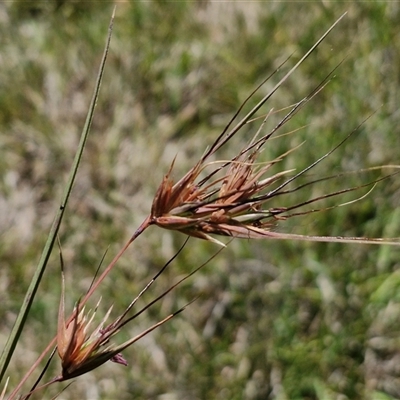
79, 349
226, 202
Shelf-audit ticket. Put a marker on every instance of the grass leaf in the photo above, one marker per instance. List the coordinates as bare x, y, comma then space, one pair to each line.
31, 292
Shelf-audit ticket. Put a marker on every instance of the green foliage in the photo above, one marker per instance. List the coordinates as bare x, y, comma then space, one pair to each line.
280, 320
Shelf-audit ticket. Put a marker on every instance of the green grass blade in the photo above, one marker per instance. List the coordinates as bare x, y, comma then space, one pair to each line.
31, 292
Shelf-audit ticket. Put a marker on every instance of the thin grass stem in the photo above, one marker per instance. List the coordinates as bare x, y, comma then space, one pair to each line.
36, 279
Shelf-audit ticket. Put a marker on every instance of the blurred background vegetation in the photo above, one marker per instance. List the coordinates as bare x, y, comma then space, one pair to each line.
275, 320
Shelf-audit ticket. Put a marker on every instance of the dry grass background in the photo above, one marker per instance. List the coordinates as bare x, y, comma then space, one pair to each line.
280, 320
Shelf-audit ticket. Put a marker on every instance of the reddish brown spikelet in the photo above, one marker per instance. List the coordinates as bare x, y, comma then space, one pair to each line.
80, 350
227, 205
233, 199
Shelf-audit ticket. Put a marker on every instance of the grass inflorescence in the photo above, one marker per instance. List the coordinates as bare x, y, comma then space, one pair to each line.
309, 155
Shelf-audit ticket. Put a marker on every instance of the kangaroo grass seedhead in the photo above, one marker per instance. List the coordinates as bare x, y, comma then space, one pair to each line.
226, 205
80, 349
232, 204
232, 200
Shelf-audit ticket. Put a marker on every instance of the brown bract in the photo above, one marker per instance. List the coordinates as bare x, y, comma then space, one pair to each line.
79, 349
228, 205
